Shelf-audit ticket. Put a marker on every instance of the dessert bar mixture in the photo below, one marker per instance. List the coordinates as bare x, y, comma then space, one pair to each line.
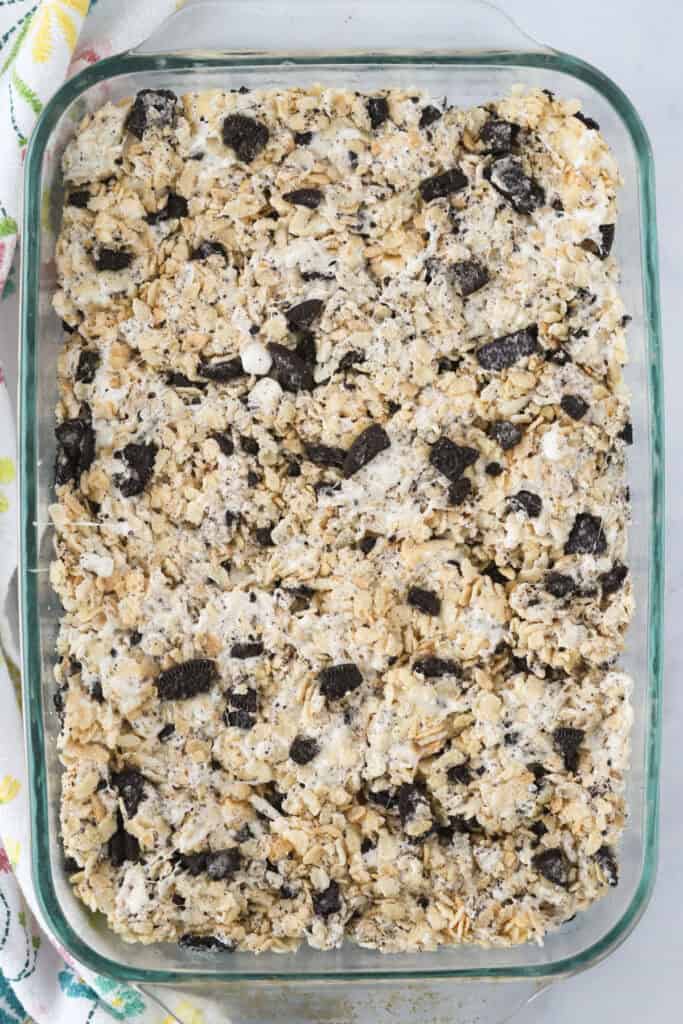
341, 515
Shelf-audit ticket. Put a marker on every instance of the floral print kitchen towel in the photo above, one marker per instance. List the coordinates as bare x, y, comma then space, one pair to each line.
41, 42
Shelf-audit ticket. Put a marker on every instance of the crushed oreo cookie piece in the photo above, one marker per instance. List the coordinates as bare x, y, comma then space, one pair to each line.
429, 115
152, 108
553, 865
452, 459
504, 352
311, 198
246, 136
290, 371
559, 584
441, 185
587, 536
139, 458
498, 137
327, 902
113, 259
432, 667
338, 680
186, 680
209, 248
469, 276
373, 440
75, 447
130, 785
425, 601
508, 177
303, 749
567, 741
574, 406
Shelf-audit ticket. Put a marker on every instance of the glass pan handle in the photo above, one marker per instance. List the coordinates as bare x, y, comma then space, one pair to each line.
317, 27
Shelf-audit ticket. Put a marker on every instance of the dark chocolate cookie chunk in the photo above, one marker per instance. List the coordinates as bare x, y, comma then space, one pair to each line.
224, 441
139, 459
504, 352
459, 491
209, 248
373, 440
429, 115
303, 138
378, 111
526, 501
79, 199
222, 371
325, 455
448, 365
338, 680
459, 774
264, 536
328, 901
239, 719
441, 185
589, 122
574, 406
166, 732
603, 248
498, 137
608, 865
290, 371
122, 846
176, 206
302, 316
113, 259
567, 741
175, 379
247, 649
508, 177
424, 600
493, 469
88, 361
75, 447
408, 799
494, 574
130, 785
187, 679
613, 580
469, 276
507, 434
558, 584
350, 359
308, 197
452, 459
221, 864
553, 865
245, 700
246, 136
303, 749
432, 667
205, 943
587, 536
367, 543
626, 433
152, 108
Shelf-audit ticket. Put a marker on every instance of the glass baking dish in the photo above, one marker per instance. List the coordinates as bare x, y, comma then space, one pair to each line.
468, 52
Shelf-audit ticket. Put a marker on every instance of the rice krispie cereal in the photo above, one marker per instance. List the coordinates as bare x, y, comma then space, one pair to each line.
341, 519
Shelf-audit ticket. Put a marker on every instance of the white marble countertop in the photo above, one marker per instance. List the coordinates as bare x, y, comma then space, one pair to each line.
638, 45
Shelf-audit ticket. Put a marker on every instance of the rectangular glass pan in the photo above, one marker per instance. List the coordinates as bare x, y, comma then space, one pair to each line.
469, 53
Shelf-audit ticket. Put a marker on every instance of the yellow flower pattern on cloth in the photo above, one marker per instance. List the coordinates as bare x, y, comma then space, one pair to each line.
186, 1012
54, 14
9, 787
7, 475
12, 849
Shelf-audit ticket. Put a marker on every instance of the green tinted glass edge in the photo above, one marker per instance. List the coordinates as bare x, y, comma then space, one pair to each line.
33, 725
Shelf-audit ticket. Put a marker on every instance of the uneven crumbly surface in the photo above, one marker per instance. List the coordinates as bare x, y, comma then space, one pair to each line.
341, 519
